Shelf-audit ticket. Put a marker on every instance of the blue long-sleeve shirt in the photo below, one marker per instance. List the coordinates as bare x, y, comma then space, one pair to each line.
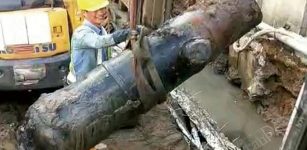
85, 42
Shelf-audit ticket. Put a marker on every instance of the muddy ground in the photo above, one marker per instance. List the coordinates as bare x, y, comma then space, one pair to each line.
235, 116
155, 131
13, 106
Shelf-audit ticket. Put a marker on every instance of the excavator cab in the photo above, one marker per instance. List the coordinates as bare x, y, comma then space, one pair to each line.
35, 43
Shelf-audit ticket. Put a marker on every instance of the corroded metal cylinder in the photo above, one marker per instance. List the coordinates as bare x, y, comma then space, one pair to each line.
80, 115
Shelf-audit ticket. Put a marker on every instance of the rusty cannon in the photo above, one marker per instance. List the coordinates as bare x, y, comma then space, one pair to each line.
115, 93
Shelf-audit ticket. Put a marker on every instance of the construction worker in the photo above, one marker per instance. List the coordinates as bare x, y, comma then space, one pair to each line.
90, 40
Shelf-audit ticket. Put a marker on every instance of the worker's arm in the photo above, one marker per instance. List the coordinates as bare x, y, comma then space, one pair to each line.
93, 40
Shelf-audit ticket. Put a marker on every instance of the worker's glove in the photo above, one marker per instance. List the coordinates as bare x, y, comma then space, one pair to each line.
120, 35
123, 34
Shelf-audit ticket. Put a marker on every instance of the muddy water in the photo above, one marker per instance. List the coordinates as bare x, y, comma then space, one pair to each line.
236, 117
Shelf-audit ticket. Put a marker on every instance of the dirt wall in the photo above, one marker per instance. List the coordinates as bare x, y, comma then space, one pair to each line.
271, 76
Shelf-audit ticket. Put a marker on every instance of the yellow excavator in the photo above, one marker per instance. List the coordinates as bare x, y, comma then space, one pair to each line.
35, 42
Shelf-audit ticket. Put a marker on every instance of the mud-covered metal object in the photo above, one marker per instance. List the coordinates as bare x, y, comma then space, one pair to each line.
148, 82
80, 115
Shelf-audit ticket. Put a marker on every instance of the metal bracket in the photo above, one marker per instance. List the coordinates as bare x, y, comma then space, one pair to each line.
150, 87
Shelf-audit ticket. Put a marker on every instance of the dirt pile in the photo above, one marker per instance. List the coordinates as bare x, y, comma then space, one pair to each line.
10, 116
13, 106
271, 76
155, 131
180, 6
8, 122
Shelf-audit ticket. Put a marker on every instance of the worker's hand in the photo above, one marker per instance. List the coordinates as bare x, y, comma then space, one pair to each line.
120, 35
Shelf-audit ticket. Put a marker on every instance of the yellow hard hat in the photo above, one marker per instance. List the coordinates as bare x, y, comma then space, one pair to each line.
92, 5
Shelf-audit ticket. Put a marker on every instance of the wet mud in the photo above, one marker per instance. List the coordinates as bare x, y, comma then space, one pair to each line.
236, 117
